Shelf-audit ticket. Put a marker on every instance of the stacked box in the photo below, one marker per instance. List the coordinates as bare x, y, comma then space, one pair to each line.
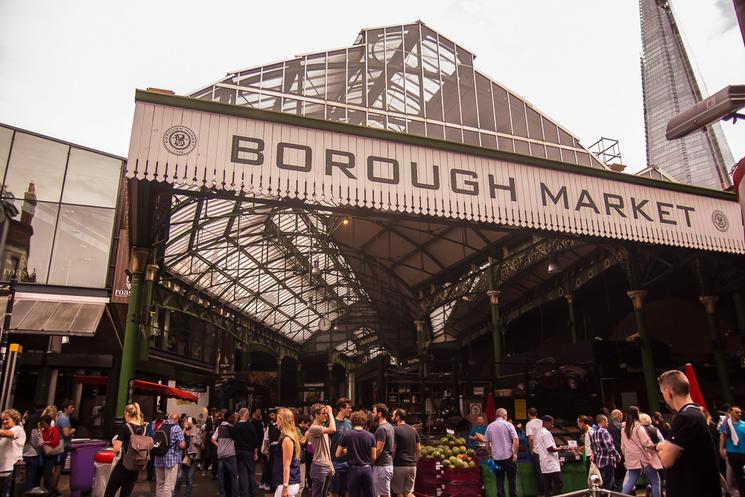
461, 482
433, 480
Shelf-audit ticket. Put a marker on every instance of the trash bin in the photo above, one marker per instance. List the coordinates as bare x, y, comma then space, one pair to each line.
101, 471
81, 464
19, 479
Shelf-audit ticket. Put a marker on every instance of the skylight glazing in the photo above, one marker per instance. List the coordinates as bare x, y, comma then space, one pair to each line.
277, 265
408, 79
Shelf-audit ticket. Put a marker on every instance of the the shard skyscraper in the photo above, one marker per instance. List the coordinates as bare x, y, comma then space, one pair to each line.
669, 85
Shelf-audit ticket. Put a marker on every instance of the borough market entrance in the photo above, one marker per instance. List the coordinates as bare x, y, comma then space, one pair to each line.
287, 258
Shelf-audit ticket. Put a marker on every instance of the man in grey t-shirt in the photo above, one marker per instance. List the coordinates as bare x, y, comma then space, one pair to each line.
408, 446
385, 437
321, 469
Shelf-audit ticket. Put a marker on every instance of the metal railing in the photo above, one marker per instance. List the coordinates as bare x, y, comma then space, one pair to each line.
594, 490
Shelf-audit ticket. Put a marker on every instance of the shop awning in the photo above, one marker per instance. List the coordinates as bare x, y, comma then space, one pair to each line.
141, 386
39, 314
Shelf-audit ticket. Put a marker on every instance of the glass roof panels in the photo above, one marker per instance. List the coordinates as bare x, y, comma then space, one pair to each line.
408, 79
276, 264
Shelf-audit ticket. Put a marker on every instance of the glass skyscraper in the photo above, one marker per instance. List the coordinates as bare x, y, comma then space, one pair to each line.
670, 87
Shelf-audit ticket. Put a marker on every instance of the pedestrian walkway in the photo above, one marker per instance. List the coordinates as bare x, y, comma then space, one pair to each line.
203, 486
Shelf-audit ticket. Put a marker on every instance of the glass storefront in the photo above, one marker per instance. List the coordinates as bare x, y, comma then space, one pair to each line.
62, 201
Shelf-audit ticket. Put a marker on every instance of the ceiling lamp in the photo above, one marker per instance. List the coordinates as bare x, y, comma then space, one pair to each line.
315, 271
553, 264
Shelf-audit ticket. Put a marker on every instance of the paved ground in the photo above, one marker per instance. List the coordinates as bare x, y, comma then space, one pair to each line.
202, 487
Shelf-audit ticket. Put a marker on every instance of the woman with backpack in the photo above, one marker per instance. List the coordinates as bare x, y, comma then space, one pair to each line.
122, 478
286, 467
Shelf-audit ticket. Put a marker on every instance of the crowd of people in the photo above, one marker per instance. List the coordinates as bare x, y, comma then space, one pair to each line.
335, 451
41, 439
330, 451
695, 456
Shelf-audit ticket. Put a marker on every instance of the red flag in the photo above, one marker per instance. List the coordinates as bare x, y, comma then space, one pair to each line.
491, 409
696, 394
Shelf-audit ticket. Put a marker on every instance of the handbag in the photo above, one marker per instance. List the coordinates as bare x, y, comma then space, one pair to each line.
594, 472
48, 450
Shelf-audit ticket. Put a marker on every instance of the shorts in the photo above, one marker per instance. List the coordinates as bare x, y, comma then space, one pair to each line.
403, 479
382, 476
60, 459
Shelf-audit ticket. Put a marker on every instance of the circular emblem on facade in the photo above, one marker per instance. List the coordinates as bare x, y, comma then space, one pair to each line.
179, 140
720, 220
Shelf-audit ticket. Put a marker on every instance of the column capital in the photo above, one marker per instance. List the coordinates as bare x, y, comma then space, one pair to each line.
637, 298
419, 323
137, 260
569, 298
710, 303
151, 272
493, 296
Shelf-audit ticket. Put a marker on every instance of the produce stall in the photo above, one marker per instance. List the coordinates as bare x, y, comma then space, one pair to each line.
447, 468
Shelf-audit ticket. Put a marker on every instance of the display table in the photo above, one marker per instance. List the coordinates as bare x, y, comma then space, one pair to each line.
573, 473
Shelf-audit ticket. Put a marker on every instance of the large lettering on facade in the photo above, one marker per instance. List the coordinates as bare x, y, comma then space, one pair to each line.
335, 168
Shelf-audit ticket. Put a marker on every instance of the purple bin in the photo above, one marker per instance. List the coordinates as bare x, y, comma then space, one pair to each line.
82, 453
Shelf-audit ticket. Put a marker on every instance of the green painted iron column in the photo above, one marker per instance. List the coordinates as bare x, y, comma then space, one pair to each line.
650, 380
330, 400
143, 345
279, 378
572, 322
131, 332
710, 305
300, 382
738, 299
496, 330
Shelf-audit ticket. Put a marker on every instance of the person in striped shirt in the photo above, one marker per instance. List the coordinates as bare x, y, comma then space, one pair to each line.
604, 453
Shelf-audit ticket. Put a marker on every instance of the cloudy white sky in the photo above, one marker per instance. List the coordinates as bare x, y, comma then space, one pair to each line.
69, 68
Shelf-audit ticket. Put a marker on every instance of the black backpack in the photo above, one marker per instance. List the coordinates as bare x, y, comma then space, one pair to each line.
161, 440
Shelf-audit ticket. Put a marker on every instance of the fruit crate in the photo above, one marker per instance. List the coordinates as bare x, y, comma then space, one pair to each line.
462, 474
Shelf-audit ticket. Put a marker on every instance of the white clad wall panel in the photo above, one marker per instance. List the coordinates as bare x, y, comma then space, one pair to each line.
211, 163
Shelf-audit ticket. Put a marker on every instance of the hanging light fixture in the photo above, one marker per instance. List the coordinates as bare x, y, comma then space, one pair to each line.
315, 271
553, 264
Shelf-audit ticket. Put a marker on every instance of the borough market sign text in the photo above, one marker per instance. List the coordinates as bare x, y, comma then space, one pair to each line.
196, 147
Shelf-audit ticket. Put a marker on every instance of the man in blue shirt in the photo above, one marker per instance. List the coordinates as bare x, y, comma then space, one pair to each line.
501, 438
477, 433
66, 431
339, 480
166, 466
732, 445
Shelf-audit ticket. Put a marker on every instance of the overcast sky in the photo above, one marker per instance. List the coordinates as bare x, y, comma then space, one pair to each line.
69, 69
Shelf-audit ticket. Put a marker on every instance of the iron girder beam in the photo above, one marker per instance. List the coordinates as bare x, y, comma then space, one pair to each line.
506, 269
291, 250
565, 284
169, 295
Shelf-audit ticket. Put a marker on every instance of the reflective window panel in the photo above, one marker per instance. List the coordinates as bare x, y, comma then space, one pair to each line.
37, 165
92, 179
81, 246
29, 242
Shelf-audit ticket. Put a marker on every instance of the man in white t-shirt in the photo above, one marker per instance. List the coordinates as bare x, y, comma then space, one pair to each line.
548, 454
12, 440
532, 427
